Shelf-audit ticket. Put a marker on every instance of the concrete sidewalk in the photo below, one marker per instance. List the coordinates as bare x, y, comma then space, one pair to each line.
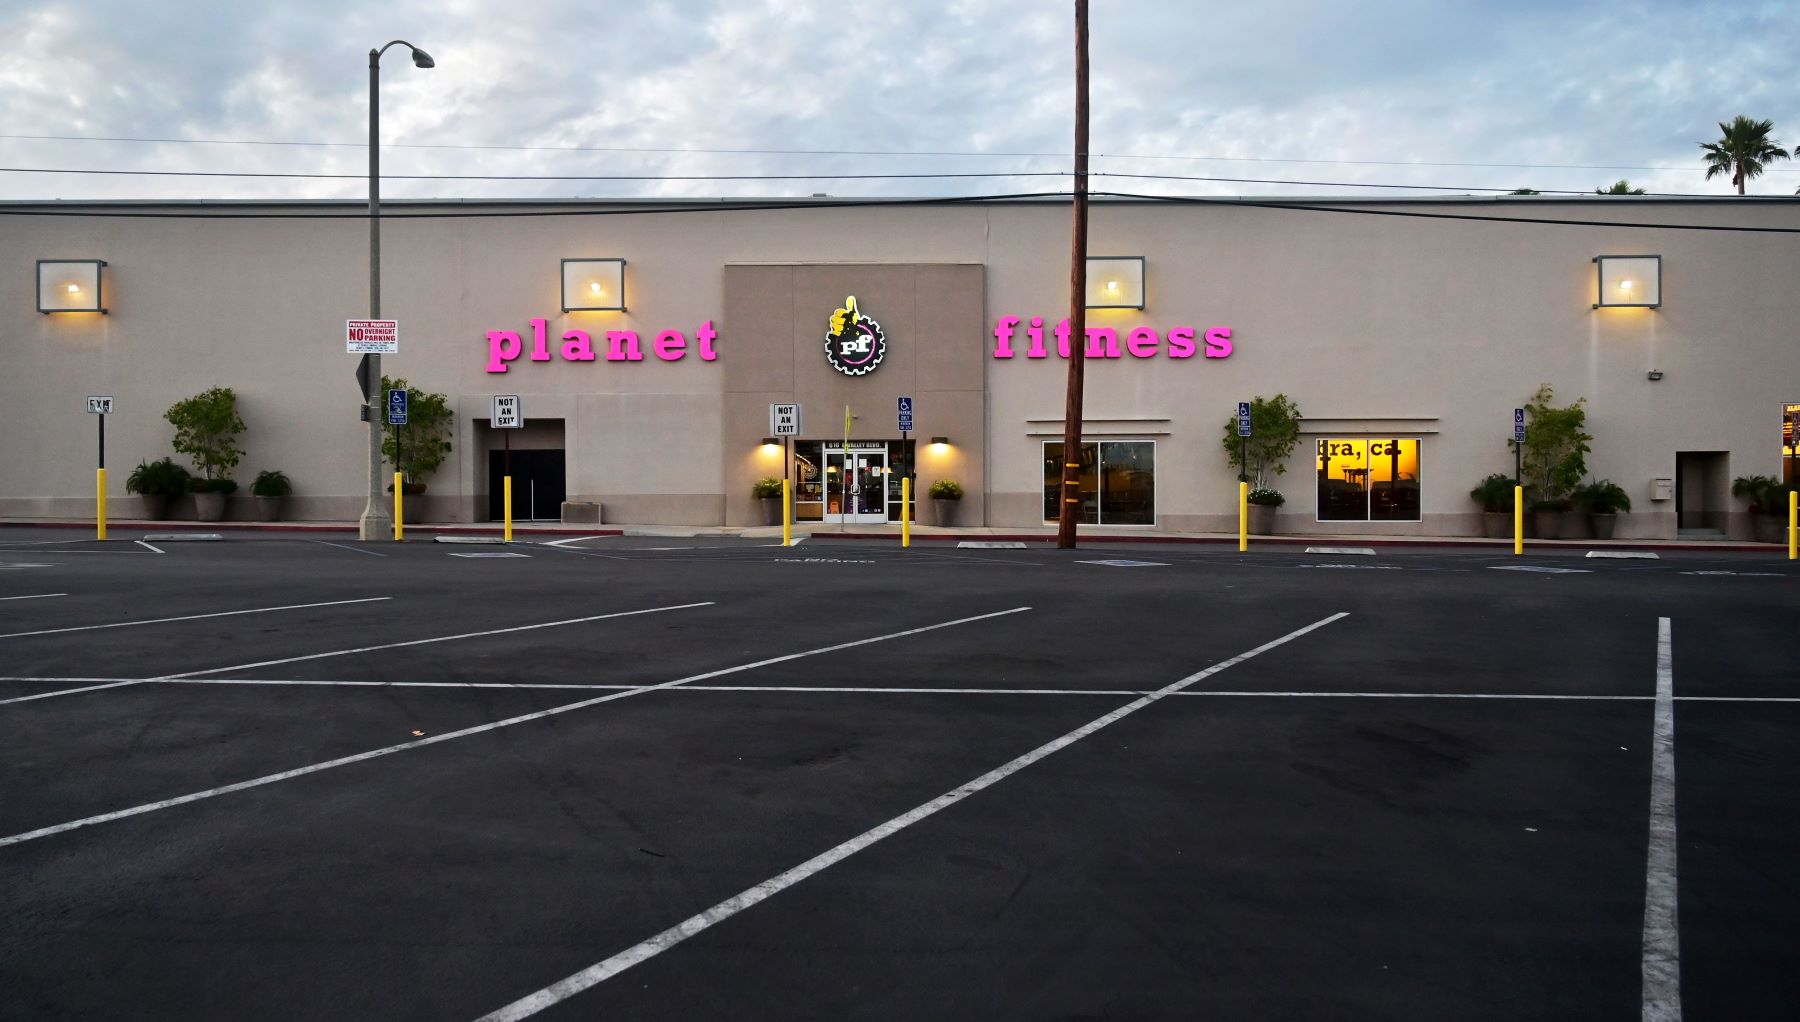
891, 532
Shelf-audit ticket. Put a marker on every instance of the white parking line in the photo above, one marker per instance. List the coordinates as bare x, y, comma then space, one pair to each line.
1662, 934
599, 972
39, 596
146, 546
345, 546
191, 617
573, 539
478, 729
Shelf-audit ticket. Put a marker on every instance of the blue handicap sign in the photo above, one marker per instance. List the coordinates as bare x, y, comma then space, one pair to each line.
396, 408
1243, 418
906, 415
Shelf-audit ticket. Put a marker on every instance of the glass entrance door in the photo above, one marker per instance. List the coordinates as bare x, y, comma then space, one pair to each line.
856, 485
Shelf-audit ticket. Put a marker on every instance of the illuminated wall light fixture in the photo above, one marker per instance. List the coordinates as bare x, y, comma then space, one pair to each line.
1628, 282
938, 443
70, 285
770, 441
593, 285
1115, 282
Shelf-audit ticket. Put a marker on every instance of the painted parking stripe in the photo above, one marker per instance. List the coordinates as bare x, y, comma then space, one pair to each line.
39, 596
1662, 935
257, 782
599, 972
192, 617
146, 546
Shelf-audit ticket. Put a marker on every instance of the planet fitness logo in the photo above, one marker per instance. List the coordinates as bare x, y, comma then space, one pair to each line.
855, 345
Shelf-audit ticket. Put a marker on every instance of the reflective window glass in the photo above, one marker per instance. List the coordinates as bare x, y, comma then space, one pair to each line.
1362, 480
1116, 482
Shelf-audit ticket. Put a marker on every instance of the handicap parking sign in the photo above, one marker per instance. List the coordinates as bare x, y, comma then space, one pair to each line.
396, 407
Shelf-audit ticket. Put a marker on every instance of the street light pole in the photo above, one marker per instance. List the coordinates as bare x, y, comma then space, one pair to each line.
376, 523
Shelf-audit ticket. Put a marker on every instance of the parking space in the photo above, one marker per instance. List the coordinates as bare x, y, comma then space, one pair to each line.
864, 782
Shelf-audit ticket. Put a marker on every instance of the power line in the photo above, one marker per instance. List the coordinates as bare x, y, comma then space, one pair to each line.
729, 206
677, 150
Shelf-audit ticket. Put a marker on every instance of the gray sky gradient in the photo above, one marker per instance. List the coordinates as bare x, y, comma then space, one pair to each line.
1371, 92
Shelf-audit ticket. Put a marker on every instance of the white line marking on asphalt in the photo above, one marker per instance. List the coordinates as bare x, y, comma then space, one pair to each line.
284, 775
186, 537
599, 972
974, 544
192, 617
1541, 569
39, 596
468, 540
69, 691
1662, 934
496, 553
1624, 555
573, 539
148, 547
345, 546
1359, 551
19, 564
425, 642
1121, 563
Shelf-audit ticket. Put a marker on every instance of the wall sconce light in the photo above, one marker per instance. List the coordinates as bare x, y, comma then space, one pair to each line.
69, 285
770, 441
1654, 375
593, 285
1629, 282
1115, 282
938, 443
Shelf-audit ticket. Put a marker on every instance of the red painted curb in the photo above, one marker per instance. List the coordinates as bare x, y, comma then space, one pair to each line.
1469, 544
448, 530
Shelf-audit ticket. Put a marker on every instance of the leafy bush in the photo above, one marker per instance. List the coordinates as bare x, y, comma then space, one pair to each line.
206, 429
1556, 446
199, 485
270, 483
1274, 430
1766, 494
1603, 497
424, 442
1495, 493
1266, 497
766, 488
159, 478
946, 489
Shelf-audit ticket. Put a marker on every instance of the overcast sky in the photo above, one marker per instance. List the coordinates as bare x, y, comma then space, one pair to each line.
1396, 92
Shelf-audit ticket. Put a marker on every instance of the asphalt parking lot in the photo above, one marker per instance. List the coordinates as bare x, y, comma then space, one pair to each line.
284, 777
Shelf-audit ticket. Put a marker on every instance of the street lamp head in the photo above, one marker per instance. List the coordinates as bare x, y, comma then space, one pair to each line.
422, 59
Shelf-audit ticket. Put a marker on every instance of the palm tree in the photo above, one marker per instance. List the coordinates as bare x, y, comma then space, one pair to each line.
1619, 187
1741, 151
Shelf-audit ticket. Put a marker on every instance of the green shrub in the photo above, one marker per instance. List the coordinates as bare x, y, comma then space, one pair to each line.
946, 489
159, 478
1266, 497
270, 483
1556, 446
1495, 493
766, 488
206, 429
1603, 497
1766, 494
199, 485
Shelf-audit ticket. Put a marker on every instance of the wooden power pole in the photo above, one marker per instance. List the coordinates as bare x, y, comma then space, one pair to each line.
1070, 509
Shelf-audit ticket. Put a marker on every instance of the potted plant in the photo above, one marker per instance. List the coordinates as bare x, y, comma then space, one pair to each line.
1495, 495
419, 447
159, 482
768, 491
1552, 461
1263, 502
206, 429
1603, 500
269, 490
1767, 498
945, 494
1274, 430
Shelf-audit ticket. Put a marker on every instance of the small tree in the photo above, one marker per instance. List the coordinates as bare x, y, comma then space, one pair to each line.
424, 442
1554, 458
1619, 187
206, 429
1274, 430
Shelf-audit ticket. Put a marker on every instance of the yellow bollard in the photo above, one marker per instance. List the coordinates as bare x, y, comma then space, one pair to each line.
905, 512
399, 528
100, 503
506, 502
1243, 516
1793, 524
787, 512
1518, 520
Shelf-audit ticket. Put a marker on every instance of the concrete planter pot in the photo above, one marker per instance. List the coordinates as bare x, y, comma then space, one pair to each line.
1497, 524
944, 511
209, 507
1602, 526
1262, 519
771, 510
1575, 526
266, 509
156, 506
1768, 528
1546, 524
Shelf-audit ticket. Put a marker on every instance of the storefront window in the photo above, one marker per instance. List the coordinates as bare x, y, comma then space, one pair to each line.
1790, 443
1368, 480
1117, 482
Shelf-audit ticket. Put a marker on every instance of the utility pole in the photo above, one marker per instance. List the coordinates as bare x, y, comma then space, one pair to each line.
1070, 508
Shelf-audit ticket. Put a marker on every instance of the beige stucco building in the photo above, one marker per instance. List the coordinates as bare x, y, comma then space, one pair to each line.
1405, 331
